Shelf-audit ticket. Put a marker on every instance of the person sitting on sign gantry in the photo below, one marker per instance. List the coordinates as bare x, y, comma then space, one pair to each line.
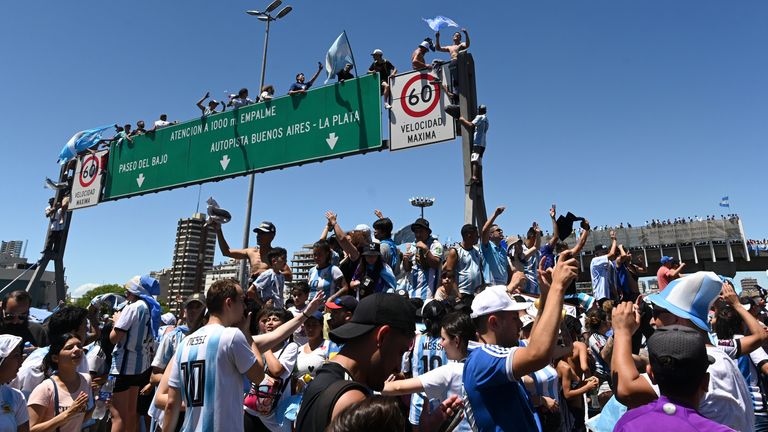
212, 105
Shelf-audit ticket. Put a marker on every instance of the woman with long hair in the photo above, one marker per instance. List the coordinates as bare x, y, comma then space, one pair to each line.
65, 400
456, 331
263, 399
372, 275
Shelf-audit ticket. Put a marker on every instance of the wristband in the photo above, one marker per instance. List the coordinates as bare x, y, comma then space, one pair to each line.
305, 315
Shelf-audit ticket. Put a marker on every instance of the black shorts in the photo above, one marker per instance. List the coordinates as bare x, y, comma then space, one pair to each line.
478, 149
124, 382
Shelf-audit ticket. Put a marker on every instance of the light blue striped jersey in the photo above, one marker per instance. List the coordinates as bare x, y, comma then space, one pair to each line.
469, 270
530, 270
169, 342
427, 355
208, 369
424, 279
495, 266
133, 354
324, 279
546, 381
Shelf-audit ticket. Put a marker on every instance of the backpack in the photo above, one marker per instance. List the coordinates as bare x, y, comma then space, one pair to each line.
264, 397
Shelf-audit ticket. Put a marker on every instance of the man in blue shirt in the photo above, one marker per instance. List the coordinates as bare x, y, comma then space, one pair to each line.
496, 399
300, 87
495, 264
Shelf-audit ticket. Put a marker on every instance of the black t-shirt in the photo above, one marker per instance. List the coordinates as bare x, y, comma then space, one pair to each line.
321, 396
33, 333
384, 69
344, 75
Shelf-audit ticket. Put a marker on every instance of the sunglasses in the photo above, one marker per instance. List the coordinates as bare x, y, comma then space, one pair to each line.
657, 312
22, 317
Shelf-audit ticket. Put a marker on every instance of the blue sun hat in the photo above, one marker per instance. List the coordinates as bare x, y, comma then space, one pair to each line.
690, 297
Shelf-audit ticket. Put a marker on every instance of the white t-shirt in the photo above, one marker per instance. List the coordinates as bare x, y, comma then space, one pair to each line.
14, 409
161, 124
299, 335
212, 362
309, 362
287, 358
132, 356
727, 400
447, 380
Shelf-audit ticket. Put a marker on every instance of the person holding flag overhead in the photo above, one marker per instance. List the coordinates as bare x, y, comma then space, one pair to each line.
339, 60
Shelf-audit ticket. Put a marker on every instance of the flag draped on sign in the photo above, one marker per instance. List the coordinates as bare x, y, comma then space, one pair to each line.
339, 54
79, 142
440, 22
724, 202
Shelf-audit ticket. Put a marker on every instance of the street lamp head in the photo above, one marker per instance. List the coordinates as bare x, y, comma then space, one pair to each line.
283, 12
274, 5
256, 13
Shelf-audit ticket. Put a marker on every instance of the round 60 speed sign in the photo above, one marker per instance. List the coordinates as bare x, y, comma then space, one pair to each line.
418, 98
89, 171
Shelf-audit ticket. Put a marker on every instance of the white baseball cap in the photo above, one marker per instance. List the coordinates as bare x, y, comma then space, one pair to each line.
495, 299
377, 51
8, 343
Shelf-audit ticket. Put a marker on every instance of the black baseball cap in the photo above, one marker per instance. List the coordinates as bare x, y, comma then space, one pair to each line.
372, 249
198, 297
265, 227
376, 310
344, 302
678, 352
423, 223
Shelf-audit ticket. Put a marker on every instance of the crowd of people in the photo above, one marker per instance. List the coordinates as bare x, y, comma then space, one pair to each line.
485, 334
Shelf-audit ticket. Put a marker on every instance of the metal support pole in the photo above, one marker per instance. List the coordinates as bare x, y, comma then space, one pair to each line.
645, 257
729, 249
474, 201
743, 240
252, 178
695, 255
679, 254
712, 251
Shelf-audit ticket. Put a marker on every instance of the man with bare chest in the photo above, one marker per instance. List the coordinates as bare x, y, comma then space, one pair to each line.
257, 256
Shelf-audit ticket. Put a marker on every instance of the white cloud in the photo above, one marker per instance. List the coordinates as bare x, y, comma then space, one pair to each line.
82, 289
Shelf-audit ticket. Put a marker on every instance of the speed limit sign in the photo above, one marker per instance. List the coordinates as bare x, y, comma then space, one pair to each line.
86, 186
418, 113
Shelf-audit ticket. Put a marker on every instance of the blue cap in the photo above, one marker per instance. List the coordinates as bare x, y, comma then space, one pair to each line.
690, 297
665, 259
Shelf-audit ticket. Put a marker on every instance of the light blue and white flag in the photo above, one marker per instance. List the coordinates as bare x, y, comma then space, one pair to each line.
724, 202
79, 142
338, 56
440, 22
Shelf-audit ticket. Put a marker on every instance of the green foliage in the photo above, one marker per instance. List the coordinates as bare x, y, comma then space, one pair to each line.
85, 300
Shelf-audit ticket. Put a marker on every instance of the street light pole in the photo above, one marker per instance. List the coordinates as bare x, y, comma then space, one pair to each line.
263, 16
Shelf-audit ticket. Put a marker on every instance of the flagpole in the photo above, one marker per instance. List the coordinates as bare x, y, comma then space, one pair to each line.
351, 53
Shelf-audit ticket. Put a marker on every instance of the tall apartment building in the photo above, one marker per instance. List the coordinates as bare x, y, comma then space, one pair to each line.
192, 258
13, 248
301, 263
226, 270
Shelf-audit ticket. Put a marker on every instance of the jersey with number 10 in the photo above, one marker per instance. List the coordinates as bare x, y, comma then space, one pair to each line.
427, 355
208, 370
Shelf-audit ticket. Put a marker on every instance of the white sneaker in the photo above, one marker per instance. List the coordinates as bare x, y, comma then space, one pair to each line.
387, 106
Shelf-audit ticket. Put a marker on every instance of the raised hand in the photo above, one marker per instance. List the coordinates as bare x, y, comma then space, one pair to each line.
612, 235
315, 304
499, 210
729, 294
552, 211
331, 216
565, 271
625, 317
378, 214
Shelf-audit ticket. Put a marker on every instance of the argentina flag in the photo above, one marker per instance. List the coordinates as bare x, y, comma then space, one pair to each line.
439, 22
338, 56
724, 202
79, 142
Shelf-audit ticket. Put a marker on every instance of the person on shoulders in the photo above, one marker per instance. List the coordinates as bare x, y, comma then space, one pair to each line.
670, 270
270, 284
256, 255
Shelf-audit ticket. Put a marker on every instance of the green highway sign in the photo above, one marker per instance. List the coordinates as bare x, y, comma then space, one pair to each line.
329, 122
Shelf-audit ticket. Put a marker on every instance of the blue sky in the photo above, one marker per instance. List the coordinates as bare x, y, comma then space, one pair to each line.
620, 111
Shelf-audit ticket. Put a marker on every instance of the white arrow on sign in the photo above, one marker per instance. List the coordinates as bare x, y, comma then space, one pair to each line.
224, 162
331, 140
140, 179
